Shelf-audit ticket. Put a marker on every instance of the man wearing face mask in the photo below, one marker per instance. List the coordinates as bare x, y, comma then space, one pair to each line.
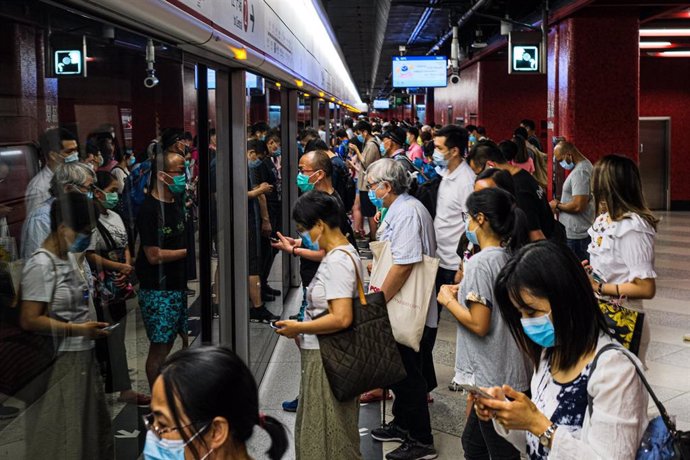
57, 146
370, 153
393, 146
160, 264
575, 209
260, 131
69, 177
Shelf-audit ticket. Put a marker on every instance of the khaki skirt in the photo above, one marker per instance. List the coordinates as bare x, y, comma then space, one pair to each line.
325, 427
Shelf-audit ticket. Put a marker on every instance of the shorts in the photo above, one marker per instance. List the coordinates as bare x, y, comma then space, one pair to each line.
253, 252
365, 205
164, 314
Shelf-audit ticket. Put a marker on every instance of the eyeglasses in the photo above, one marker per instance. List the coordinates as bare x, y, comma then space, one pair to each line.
302, 170
149, 420
374, 186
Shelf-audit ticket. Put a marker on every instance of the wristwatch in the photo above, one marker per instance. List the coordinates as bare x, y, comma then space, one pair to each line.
545, 437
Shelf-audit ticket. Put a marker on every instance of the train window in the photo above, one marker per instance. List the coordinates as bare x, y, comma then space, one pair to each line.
264, 156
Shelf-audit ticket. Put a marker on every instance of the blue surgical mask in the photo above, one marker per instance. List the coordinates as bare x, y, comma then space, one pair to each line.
440, 159
254, 163
307, 243
473, 138
179, 184
376, 201
262, 138
567, 166
382, 148
360, 138
132, 160
300, 149
80, 243
277, 153
303, 183
72, 157
540, 330
166, 449
471, 235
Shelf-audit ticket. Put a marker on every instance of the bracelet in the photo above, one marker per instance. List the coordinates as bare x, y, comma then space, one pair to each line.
294, 254
618, 291
600, 289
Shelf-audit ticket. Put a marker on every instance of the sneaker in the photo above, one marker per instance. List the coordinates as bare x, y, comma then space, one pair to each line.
413, 450
7, 412
291, 406
454, 386
389, 432
262, 315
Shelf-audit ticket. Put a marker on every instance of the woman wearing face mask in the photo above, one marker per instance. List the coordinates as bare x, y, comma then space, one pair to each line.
211, 418
486, 354
70, 420
545, 298
112, 264
324, 424
121, 170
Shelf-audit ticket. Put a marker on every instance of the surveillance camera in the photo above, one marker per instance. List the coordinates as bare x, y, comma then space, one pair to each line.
150, 81
455, 79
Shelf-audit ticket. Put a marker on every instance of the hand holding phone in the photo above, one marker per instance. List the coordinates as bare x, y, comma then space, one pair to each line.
476, 391
273, 325
111, 327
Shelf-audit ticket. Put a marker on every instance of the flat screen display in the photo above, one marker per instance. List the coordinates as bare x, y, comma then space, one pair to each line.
381, 104
419, 71
525, 58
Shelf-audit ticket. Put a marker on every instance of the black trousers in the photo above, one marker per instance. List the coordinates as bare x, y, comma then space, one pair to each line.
268, 252
481, 442
410, 407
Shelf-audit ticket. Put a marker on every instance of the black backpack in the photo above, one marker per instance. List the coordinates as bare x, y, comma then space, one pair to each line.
344, 184
427, 193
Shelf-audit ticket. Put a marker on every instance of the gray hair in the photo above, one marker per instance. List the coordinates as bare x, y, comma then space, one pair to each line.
391, 171
69, 173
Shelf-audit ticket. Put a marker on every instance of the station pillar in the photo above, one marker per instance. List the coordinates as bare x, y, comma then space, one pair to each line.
593, 82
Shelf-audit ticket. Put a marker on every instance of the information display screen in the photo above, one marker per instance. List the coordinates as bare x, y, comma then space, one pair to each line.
419, 71
381, 104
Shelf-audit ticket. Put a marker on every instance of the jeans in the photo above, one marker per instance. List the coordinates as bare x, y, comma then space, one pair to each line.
579, 247
481, 442
410, 407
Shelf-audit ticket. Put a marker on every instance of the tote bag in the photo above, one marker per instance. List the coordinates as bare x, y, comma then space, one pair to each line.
408, 309
363, 356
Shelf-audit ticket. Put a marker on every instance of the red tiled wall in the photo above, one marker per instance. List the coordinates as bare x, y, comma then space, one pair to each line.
463, 97
665, 91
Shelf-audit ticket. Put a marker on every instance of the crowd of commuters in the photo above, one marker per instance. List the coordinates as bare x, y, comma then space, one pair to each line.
522, 276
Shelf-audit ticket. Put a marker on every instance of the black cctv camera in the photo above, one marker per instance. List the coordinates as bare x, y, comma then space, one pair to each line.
455, 79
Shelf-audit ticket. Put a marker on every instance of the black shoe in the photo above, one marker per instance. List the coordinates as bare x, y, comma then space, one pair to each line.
413, 450
269, 290
262, 315
389, 432
8, 412
266, 297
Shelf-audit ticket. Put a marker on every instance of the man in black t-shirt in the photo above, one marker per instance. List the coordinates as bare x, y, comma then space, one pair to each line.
161, 265
529, 195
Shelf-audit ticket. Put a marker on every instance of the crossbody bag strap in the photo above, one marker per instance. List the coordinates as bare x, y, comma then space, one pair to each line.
662, 410
107, 237
360, 285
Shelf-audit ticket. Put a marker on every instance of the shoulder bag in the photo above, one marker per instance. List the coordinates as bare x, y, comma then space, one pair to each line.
661, 439
365, 355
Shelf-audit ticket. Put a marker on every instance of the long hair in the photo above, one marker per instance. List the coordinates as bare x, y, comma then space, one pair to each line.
506, 219
551, 271
617, 188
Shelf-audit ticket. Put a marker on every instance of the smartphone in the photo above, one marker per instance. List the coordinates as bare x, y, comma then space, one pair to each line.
597, 277
475, 390
274, 239
273, 325
111, 327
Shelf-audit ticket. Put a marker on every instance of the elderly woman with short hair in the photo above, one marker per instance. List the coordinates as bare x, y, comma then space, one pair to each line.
409, 228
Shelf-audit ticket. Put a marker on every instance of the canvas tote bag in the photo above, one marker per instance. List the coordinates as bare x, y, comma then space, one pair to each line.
408, 309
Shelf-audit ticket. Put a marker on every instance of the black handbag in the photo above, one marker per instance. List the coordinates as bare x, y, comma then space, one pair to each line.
365, 355
661, 440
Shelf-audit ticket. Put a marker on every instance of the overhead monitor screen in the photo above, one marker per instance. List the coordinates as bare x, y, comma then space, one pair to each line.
419, 71
381, 104
525, 58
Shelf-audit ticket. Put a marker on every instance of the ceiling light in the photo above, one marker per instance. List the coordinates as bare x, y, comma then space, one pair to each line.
647, 45
299, 83
664, 32
673, 54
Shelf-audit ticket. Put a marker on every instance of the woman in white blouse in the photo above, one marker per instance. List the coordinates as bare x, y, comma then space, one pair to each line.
545, 297
622, 248
324, 424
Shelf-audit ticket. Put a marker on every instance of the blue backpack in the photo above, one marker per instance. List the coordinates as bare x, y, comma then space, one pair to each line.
134, 191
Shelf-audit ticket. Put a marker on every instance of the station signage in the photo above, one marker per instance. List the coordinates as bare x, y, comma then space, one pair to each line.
525, 53
67, 56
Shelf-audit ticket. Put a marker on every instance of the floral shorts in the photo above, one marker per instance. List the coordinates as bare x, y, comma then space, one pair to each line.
164, 314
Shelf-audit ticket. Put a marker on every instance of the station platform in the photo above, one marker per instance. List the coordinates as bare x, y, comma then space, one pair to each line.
668, 358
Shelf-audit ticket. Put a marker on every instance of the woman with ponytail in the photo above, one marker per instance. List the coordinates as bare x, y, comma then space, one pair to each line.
486, 352
205, 405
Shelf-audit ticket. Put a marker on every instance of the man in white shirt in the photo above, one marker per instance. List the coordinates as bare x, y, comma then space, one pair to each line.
57, 146
456, 185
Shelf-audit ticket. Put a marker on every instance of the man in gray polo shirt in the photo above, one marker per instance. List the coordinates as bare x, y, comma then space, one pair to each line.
575, 210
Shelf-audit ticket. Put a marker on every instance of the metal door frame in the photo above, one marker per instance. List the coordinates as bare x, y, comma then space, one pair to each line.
667, 165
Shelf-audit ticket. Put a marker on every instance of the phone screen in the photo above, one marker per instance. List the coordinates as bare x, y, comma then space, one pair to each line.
476, 391
273, 325
111, 327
